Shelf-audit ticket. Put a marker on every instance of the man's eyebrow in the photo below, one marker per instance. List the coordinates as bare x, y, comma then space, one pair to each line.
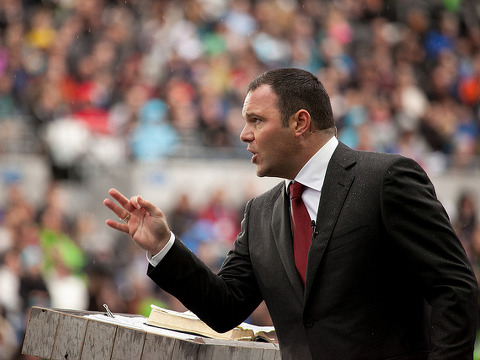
251, 114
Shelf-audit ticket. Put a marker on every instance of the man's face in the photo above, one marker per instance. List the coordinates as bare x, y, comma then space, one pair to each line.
271, 144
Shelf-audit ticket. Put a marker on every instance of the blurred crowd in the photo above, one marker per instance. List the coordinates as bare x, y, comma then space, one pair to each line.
51, 259
100, 82
107, 80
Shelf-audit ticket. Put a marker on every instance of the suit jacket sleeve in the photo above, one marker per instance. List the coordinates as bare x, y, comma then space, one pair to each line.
431, 252
221, 300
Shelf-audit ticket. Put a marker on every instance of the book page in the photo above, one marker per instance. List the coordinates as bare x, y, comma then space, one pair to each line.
138, 323
256, 328
186, 314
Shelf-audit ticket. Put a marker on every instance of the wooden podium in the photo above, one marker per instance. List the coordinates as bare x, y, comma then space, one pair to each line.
84, 335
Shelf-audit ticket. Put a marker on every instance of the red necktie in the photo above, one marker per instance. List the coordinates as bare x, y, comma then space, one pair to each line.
302, 229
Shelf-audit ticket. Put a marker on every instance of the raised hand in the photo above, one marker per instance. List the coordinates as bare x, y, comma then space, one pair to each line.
142, 220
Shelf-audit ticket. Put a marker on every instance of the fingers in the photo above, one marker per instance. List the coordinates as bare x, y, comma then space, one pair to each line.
135, 201
122, 200
128, 207
121, 211
138, 202
117, 226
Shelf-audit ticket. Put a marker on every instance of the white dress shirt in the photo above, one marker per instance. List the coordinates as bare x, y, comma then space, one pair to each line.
312, 176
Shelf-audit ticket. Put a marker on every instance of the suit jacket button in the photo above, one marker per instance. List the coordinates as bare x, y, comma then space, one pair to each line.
308, 322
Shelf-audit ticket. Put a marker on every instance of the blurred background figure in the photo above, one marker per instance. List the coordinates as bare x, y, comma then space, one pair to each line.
153, 138
466, 224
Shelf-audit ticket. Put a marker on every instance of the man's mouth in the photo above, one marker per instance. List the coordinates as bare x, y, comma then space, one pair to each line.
254, 156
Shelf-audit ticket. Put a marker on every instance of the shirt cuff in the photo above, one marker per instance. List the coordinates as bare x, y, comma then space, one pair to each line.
155, 260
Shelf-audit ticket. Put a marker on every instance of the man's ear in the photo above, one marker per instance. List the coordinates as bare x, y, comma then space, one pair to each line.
301, 122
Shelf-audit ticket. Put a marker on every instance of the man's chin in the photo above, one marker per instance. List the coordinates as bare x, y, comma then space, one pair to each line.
260, 173
263, 171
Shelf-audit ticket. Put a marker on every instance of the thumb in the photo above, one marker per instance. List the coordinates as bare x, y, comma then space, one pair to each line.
148, 206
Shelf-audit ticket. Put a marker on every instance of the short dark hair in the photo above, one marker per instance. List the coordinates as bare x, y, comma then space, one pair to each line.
298, 89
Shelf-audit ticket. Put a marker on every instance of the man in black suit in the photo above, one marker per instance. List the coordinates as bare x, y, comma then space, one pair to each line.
386, 276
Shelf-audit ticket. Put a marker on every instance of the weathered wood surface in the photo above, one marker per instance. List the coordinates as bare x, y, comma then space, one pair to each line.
65, 334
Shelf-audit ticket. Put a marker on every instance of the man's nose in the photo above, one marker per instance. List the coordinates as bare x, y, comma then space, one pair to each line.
246, 135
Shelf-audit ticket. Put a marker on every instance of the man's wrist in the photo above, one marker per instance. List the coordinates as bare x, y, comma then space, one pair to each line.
154, 260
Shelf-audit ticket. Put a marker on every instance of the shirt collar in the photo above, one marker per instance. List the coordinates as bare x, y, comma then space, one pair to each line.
313, 172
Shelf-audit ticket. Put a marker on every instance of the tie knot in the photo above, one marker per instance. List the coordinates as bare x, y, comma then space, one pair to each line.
296, 190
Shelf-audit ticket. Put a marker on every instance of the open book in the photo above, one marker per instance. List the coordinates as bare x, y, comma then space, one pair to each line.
188, 322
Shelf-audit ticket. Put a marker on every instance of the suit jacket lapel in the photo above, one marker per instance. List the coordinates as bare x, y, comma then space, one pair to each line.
337, 183
282, 233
